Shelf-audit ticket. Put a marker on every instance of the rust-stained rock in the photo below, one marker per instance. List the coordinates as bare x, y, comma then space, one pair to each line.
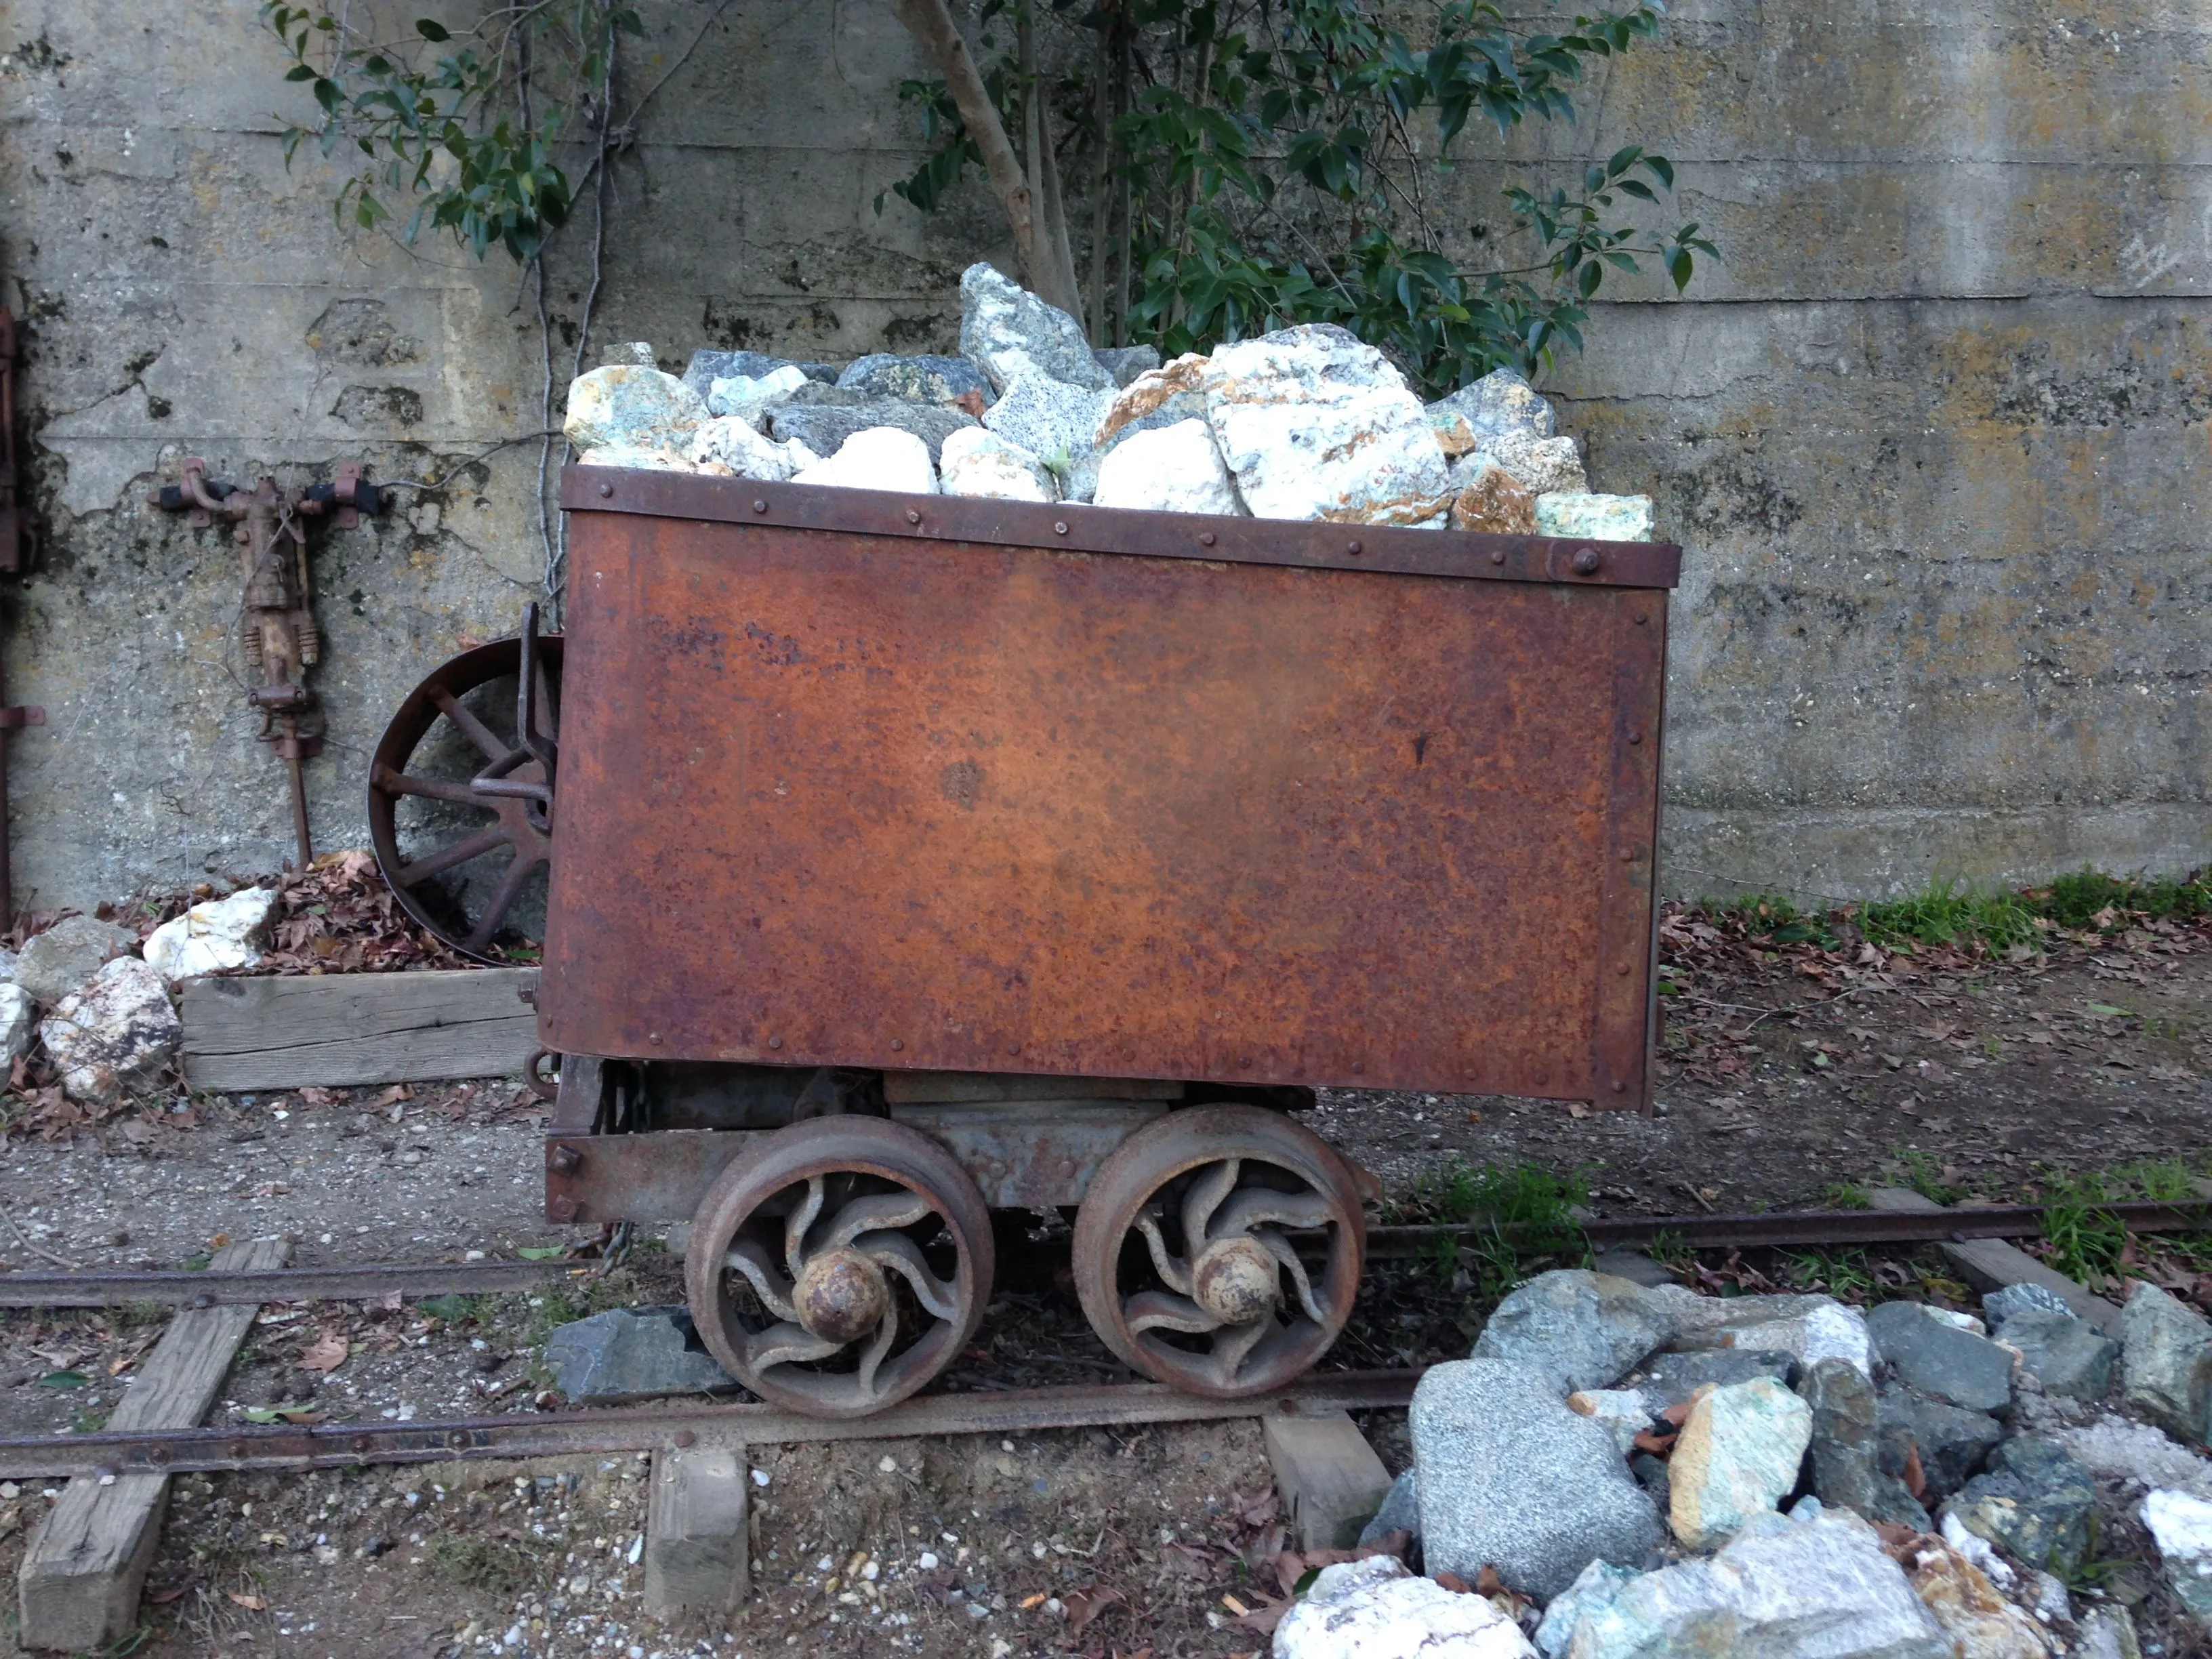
1495, 504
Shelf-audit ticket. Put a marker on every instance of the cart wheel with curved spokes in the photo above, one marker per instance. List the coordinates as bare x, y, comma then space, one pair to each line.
839, 1263
1182, 1260
463, 776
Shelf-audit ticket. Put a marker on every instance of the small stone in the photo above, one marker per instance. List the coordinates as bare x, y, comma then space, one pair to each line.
1126, 363
750, 398
1175, 469
824, 427
67, 955
1845, 1448
2115, 1449
1650, 1474
1495, 506
1054, 420
1512, 1479
708, 367
2000, 1305
1952, 1442
978, 462
1502, 401
2166, 1362
1808, 1328
213, 936
1583, 1329
2105, 1633
1315, 425
877, 458
1821, 1589
117, 1035
925, 379
1581, 514
632, 1353
732, 441
1624, 1411
1375, 1609
1540, 465
1939, 1359
19, 1023
1599, 1583
634, 407
2182, 1528
1161, 396
2035, 1502
1633, 1266
2067, 1355
1739, 1454
1400, 1510
1980, 1623
1671, 1379
1005, 331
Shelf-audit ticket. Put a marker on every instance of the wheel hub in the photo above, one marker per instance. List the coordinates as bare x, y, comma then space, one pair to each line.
840, 1295
1236, 1280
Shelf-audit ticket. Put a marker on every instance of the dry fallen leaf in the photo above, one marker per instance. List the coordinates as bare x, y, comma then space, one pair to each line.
326, 1354
218, 1241
1578, 1108
1029, 1602
319, 1097
251, 1603
1086, 1604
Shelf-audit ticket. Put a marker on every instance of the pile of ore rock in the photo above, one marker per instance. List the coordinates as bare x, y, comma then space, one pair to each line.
1307, 422
1633, 1471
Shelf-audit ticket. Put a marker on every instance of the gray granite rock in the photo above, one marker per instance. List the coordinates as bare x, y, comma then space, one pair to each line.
1817, 1589
707, 366
2001, 1304
1004, 330
1669, 1379
1652, 1474
1583, 1329
1502, 401
1845, 1451
1937, 1357
1953, 1442
924, 379
824, 427
1512, 1479
1054, 420
1633, 1266
2034, 1501
630, 406
632, 1353
1124, 363
1401, 1510
1808, 1328
2067, 1355
2165, 1363
65, 955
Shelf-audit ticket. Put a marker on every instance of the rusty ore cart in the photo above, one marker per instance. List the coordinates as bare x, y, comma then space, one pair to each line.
919, 856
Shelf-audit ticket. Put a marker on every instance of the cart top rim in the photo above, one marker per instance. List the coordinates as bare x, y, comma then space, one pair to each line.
1075, 526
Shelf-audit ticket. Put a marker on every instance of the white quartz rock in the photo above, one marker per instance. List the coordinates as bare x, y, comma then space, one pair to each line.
978, 462
210, 936
1170, 468
880, 458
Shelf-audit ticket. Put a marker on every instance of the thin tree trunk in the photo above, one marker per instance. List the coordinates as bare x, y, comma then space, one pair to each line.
1102, 89
1129, 249
930, 23
1044, 173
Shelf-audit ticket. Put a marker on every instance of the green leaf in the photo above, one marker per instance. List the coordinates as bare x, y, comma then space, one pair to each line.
431, 29
65, 1380
448, 1306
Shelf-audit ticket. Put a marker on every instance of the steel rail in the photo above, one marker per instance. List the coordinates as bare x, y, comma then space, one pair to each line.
181, 1289
654, 1428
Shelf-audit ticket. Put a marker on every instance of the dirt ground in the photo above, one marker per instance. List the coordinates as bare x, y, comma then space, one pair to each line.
1785, 1081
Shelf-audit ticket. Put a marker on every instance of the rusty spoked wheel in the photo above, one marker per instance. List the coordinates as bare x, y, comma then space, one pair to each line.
463, 774
1181, 1257
839, 1264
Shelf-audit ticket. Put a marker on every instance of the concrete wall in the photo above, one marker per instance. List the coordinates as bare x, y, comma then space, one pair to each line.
1930, 436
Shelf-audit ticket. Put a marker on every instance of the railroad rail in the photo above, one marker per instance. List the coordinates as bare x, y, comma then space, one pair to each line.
1763, 1230
681, 1426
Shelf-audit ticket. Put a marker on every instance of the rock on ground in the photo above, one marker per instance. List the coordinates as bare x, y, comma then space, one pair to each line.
732, 441
707, 366
2003, 1303
1845, 1448
1583, 1329
1599, 518
1401, 1510
877, 458
1375, 1609
1625, 1412
1512, 1479
1502, 401
2114, 1449
630, 406
116, 1036
1054, 420
2105, 1633
1494, 505
2181, 1526
67, 955
1161, 396
1808, 1328
1979, 1623
19, 1023
823, 428
1670, 1379
978, 462
1315, 425
1542, 465
631, 1353
213, 936
1937, 1357
750, 398
2066, 1354
1819, 1589
1126, 363
1005, 331
2166, 1363
1175, 469
1951, 1441
1599, 1583
2034, 1501
924, 379
1739, 1454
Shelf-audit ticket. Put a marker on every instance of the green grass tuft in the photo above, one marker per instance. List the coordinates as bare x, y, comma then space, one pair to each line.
1512, 1215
